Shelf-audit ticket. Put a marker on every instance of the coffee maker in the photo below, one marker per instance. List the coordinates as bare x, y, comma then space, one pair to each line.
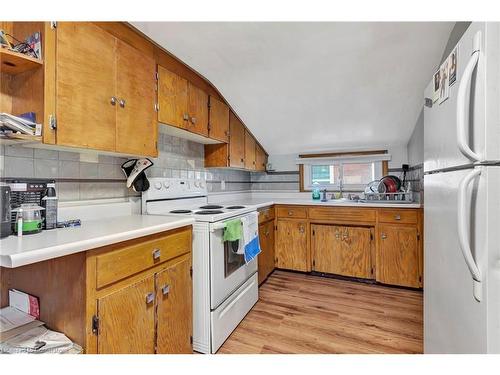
5, 212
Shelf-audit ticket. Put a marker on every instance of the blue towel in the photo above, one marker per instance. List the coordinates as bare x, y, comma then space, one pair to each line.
252, 249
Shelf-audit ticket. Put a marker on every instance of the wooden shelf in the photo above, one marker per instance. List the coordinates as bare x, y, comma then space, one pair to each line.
16, 139
15, 62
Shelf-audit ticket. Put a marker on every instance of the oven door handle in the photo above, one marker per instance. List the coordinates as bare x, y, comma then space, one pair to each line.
217, 226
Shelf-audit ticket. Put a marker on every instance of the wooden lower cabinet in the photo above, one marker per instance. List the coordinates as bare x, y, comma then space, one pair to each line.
342, 250
174, 288
266, 257
292, 245
127, 319
146, 310
399, 255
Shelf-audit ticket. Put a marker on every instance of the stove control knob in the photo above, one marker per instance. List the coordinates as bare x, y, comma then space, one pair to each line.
196, 184
202, 185
157, 185
166, 184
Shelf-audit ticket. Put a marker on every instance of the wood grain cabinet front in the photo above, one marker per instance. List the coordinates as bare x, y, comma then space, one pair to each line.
218, 120
292, 245
267, 255
105, 92
342, 250
398, 255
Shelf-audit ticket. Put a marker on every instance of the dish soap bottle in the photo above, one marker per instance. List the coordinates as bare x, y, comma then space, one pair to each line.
315, 191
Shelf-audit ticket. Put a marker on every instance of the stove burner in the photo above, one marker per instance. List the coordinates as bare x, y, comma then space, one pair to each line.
234, 207
210, 207
208, 212
180, 211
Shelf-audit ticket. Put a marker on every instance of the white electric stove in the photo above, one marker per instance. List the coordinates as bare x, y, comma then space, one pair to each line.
224, 287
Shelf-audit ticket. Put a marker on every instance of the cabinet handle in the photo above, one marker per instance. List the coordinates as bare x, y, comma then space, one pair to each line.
150, 297
290, 213
242, 160
156, 254
122, 103
226, 133
185, 117
301, 229
337, 235
266, 234
193, 120
383, 236
113, 100
165, 289
397, 217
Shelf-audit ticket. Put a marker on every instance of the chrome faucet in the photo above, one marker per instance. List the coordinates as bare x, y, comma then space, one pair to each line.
324, 199
341, 188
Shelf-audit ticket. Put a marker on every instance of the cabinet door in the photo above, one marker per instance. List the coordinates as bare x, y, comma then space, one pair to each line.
341, 250
174, 300
136, 128
291, 245
266, 257
260, 159
249, 151
197, 110
219, 120
398, 255
127, 320
85, 86
172, 98
236, 142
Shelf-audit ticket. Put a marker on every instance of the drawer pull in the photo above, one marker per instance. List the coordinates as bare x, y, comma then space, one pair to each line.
165, 289
156, 254
301, 229
397, 217
383, 236
150, 297
290, 213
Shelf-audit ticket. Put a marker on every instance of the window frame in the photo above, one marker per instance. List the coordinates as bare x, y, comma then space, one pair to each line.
340, 159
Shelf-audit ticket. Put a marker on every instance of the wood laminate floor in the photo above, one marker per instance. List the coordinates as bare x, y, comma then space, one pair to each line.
299, 313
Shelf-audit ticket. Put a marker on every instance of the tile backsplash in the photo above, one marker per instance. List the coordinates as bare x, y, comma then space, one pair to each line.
80, 179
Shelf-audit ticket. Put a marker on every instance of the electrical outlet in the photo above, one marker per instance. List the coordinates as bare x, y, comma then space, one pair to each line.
223, 185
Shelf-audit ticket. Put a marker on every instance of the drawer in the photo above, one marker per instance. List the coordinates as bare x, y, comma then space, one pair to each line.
266, 214
403, 216
291, 211
343, 214
128, 259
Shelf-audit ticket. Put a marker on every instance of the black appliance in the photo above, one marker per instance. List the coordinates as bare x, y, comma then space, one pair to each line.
30, 191
5, 212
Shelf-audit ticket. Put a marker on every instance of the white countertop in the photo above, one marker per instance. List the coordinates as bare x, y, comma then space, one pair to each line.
19, 251
264, 202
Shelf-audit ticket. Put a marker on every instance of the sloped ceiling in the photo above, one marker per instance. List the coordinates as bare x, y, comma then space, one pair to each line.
303, 87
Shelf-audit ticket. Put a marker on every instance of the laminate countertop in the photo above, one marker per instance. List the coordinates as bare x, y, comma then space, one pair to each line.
265, 202
19, 251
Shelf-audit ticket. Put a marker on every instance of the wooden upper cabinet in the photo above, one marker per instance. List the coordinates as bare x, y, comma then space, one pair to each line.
249, 151
136, 127
197, 110
175, 315
236, 142
127, 320
398, 255
181, 104
218, 120
292, 245
172, 98
260, 159
85, 86
342, 250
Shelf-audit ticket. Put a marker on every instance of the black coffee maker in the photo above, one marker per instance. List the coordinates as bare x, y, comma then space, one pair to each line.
5, 224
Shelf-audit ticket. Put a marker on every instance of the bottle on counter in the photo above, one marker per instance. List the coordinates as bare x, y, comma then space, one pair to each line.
316, 195
49, 202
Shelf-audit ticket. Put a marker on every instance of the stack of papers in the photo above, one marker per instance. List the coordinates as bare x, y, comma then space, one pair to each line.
22, 333
10, 123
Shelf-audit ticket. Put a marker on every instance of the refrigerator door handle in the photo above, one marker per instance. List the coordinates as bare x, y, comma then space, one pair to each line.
463, 233
461, 101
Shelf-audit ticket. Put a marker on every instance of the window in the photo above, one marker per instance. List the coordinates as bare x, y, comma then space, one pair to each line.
351, 173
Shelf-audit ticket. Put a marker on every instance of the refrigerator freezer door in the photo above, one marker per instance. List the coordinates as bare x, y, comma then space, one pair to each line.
479, 104
454, 320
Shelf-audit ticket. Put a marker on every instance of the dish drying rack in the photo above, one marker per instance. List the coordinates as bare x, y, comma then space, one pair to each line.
400, 196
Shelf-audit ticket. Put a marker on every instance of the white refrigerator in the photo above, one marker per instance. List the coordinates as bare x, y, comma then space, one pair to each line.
462, 202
